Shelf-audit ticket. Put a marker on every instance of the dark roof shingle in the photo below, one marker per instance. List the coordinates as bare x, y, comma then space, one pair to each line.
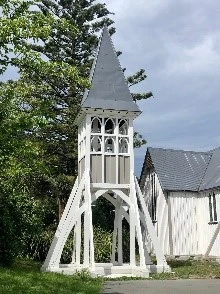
211, 178
109, 89
179, 170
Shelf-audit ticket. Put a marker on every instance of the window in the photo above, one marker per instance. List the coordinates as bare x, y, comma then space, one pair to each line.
96, 143
109, 145
109, 126
123, 127
153, 199
96, 125
212, 208
123, 145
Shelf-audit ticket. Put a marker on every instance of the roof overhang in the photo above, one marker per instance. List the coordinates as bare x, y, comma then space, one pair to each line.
106, 112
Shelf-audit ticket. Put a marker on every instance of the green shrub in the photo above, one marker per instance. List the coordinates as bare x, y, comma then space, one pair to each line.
102, 244
8, 242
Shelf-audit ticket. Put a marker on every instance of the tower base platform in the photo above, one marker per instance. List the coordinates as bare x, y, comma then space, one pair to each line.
109, 270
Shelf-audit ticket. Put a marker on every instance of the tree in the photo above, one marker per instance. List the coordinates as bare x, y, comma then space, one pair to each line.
22, 114
52, 44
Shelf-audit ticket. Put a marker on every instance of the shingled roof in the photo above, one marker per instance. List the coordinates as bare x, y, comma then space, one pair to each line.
211, 178
180, 170
109, 89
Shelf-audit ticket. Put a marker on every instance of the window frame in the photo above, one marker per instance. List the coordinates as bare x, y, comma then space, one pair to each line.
213, 217
153, 198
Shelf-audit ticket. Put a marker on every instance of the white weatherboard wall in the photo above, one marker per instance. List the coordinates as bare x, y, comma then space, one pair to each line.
205, 228
183, 211
161, 225
183, 220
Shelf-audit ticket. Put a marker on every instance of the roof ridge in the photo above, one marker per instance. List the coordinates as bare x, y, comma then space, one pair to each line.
205, 171
179, 150
113, 47
92, 71
211, 171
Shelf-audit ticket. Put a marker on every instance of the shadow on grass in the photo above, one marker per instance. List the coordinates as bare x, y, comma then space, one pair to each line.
179, 263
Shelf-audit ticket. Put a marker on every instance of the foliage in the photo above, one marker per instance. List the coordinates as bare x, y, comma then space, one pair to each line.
103, 214
25, 277
102, 245
37, 245
7, 231
52, 45
21, 217
19, 158
138, 140
22, 114
138, 77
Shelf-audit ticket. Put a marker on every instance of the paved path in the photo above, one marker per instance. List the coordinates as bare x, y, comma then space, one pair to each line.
163, 287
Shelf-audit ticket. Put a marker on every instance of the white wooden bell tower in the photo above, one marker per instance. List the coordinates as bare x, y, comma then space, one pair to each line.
106, 169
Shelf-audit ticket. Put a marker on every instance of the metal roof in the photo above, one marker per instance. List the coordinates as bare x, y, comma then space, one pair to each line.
109, 89
178, 170
212, 175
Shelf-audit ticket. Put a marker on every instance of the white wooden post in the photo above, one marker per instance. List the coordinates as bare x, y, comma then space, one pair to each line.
138, 228
74, 246
78, 240
114, 238
120, 249
132, 235
87, 228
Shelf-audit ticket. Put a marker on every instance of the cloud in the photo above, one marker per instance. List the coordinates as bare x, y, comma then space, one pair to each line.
200, 58
178, 43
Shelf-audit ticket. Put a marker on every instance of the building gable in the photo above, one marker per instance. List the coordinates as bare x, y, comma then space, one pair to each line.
178, 170
211, 178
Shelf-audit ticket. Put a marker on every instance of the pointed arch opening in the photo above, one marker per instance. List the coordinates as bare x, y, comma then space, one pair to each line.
123, 145
123, 127
110, 215
109, 126
96, 125
96, 144
109, 145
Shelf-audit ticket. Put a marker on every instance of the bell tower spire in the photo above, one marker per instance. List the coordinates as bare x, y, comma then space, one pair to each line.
109, 89
106, 169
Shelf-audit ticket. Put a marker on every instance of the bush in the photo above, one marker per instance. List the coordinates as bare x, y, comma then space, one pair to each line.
20, 221
8, 231
102, 244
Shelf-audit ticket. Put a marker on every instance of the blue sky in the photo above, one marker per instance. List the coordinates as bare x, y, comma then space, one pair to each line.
178, 43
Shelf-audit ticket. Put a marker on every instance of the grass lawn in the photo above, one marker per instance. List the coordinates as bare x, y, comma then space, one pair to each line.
25, 277
190, 269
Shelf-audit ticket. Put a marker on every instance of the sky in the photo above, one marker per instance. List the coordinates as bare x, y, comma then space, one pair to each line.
178, 44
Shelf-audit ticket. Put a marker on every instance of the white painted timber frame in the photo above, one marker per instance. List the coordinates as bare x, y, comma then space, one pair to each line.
213, 239
124, 194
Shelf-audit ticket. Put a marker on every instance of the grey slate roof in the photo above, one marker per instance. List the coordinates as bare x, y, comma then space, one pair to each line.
109, 89
211, 178
180, 170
